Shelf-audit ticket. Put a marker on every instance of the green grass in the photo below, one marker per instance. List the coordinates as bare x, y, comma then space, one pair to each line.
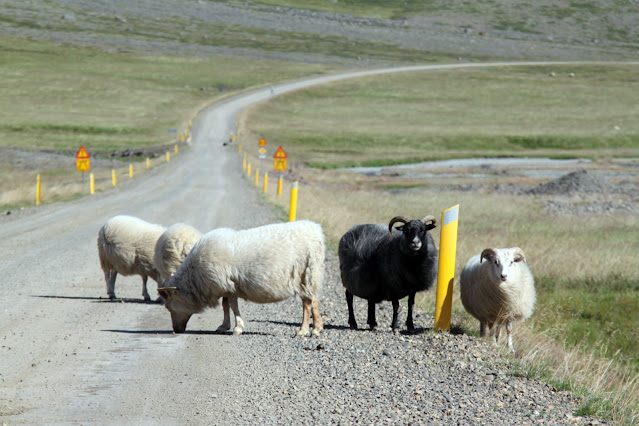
595, 310
59, 98
403, 117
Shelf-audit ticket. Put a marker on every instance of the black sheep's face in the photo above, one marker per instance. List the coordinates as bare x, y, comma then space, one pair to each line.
414, 235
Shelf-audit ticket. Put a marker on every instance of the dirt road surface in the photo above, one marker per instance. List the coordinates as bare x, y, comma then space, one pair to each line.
69, 355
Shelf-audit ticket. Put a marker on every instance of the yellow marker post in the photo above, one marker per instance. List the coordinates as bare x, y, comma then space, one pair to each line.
176, 148
446, 268
244, 162
92, 183
239, 148
279, 185
168, 157
38, 191
292, 213
265, 181
257, 177
114, 177
130, 170
248, 170
148, 162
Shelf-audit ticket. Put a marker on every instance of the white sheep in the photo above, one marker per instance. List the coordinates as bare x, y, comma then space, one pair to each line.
499, 291
126, 246
172, 248
266, 264
170, 251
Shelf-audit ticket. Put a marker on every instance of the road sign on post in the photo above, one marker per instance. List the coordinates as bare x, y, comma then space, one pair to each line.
262, 142
279, 160
82, 160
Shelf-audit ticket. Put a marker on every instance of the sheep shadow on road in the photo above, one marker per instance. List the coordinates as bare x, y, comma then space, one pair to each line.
187, 332
103, 299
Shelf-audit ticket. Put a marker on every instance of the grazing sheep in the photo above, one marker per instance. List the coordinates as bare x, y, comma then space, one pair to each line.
171, 250
499, 291
266, 264
377, 265
126, 246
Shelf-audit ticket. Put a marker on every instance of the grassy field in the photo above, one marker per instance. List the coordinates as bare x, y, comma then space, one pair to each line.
583, 335
56, 98
433, 115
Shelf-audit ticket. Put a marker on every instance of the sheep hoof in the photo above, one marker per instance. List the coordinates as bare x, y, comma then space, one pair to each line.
223, 328
237, 331
395, 332
315, 332
301, 333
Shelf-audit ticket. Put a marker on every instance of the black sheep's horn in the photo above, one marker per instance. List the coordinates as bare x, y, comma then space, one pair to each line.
400, 219
429, 218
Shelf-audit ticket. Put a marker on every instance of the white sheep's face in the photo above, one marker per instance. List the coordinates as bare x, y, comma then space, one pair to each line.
502, 261
180, 311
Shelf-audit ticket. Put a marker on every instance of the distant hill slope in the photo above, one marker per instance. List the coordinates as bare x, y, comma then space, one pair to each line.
338, 31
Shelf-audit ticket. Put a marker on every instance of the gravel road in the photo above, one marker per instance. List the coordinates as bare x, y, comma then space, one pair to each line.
69, 355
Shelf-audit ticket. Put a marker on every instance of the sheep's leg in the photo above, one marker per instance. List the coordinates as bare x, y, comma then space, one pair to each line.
226, 324
497, 328
409, 318
239, 322
306, 317
351, 315
371, 315
395, 323
109, 277
482, 329
318, 324
145, 293
509, 329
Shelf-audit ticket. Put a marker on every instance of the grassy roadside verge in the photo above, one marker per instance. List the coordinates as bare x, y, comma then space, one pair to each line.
583, 335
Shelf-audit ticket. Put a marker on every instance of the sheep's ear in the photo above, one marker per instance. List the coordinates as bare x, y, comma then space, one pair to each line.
519, 255
487, 253
167, 292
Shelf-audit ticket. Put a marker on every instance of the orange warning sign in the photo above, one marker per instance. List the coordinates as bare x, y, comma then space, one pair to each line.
279, 160
262, 142
82, 160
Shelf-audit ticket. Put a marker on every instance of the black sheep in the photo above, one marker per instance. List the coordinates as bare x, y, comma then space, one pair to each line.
377, 264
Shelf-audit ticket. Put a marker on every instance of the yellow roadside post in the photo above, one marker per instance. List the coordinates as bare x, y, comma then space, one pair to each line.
244, 162
292, 213
279, 185
130, 170
92, 183
248, 170
176, 149
38, 191
114, 177
148, 162
265, 181
168, 157
257, 177
239, 148
446, 268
